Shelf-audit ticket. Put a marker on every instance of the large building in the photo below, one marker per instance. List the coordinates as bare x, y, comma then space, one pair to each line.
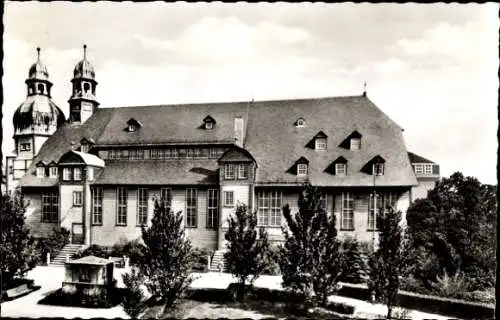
98, 172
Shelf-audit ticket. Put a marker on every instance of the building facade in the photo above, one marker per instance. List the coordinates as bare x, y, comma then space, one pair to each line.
99, 173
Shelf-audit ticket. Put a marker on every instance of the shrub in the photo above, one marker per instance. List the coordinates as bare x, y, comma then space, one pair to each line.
481, 296
412, 284
133, 297
451, 287
93, 250
52, 244
134, 250
200, 259
355, 270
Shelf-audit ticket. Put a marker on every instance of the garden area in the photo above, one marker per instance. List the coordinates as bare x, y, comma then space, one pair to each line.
441, 262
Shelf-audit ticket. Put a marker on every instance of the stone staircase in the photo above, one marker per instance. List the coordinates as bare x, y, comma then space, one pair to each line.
218, 263
68, 250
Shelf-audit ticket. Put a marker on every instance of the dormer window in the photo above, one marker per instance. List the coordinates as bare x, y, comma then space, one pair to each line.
355, 143
208, 123
302, 169
378, 169
340, 168
53, 172
40, 172
133, 125
320, 144
301, 122
84, 147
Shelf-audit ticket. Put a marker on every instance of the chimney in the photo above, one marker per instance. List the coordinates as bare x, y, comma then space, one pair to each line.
239, 133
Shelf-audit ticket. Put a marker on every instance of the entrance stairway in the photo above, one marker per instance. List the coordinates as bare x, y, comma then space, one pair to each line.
218, 263
68, 250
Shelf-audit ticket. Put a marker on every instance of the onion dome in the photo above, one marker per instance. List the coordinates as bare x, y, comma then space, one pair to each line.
38, 70
38, 110
84, 69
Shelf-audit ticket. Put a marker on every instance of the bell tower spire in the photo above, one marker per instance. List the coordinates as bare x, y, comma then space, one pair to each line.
83, 101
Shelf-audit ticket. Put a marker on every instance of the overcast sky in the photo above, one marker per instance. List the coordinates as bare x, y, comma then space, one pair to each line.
432, 68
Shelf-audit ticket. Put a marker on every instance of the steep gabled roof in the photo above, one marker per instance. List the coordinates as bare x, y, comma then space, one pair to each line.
415, 158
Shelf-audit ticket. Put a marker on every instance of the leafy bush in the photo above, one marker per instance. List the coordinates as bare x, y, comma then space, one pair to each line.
133, 297
200, 259
412, 284
52, 244
340, 307
134, 249
93, 250
481, 296
355, 270
451, 287
272, 267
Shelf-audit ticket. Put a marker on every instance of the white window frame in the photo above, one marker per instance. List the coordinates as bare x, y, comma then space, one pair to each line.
25, 146
419, 168
77, 173
50, 207
121, 206
347, 219
320, 144
377, 166
269, 208
166, 196
212, 208
96, 195
242, 171
77, 198
209, 125
67, 174
84, 147
132, 127
340, 169
229, 171
191, 208
373, 211
355, 143
40, 172
142, 207
301, 123
428, 168
228, 198
90, 173
53, 172
302, 169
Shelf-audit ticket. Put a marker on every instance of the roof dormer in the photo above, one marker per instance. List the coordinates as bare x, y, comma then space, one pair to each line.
133, 125
86, 144
318, 142
352, 142
300, 168
376, 166
338, 167
300, 122
208, 123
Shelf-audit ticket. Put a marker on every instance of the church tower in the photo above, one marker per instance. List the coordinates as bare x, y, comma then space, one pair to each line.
83, 102
35, 120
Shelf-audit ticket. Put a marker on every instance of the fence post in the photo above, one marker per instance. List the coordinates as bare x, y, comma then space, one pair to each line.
48, 258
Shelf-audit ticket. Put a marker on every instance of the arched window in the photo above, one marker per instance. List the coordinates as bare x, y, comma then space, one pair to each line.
86, 87
40, 88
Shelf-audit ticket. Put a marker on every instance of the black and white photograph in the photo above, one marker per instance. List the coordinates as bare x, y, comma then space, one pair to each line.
249, 160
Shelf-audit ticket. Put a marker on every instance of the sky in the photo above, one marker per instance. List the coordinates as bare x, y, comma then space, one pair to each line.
432, 68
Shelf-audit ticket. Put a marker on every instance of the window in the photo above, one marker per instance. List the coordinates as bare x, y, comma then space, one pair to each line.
77, 174
216, 152
40, 172
209, 125
347, 221
269, 208
301, 169
25, 146
132, 127
301, 122
419, 168
378, 205
228, 198
320, 144
96, 207
229, 172
428, 169
212, 208
53, 172
355, 143
242, 171
50, 205
373, 211
75, 114
121, 214
191, 208
166, 197
142, 206
67, 174
90, 173
77, 198
84, 147
378, 169
340, 168
323, 201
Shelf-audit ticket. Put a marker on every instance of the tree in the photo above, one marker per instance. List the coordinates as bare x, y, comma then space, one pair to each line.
248, 253
168, 258
18, 251
311, 259
389, 261
355, 269
133, 298
453, 229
